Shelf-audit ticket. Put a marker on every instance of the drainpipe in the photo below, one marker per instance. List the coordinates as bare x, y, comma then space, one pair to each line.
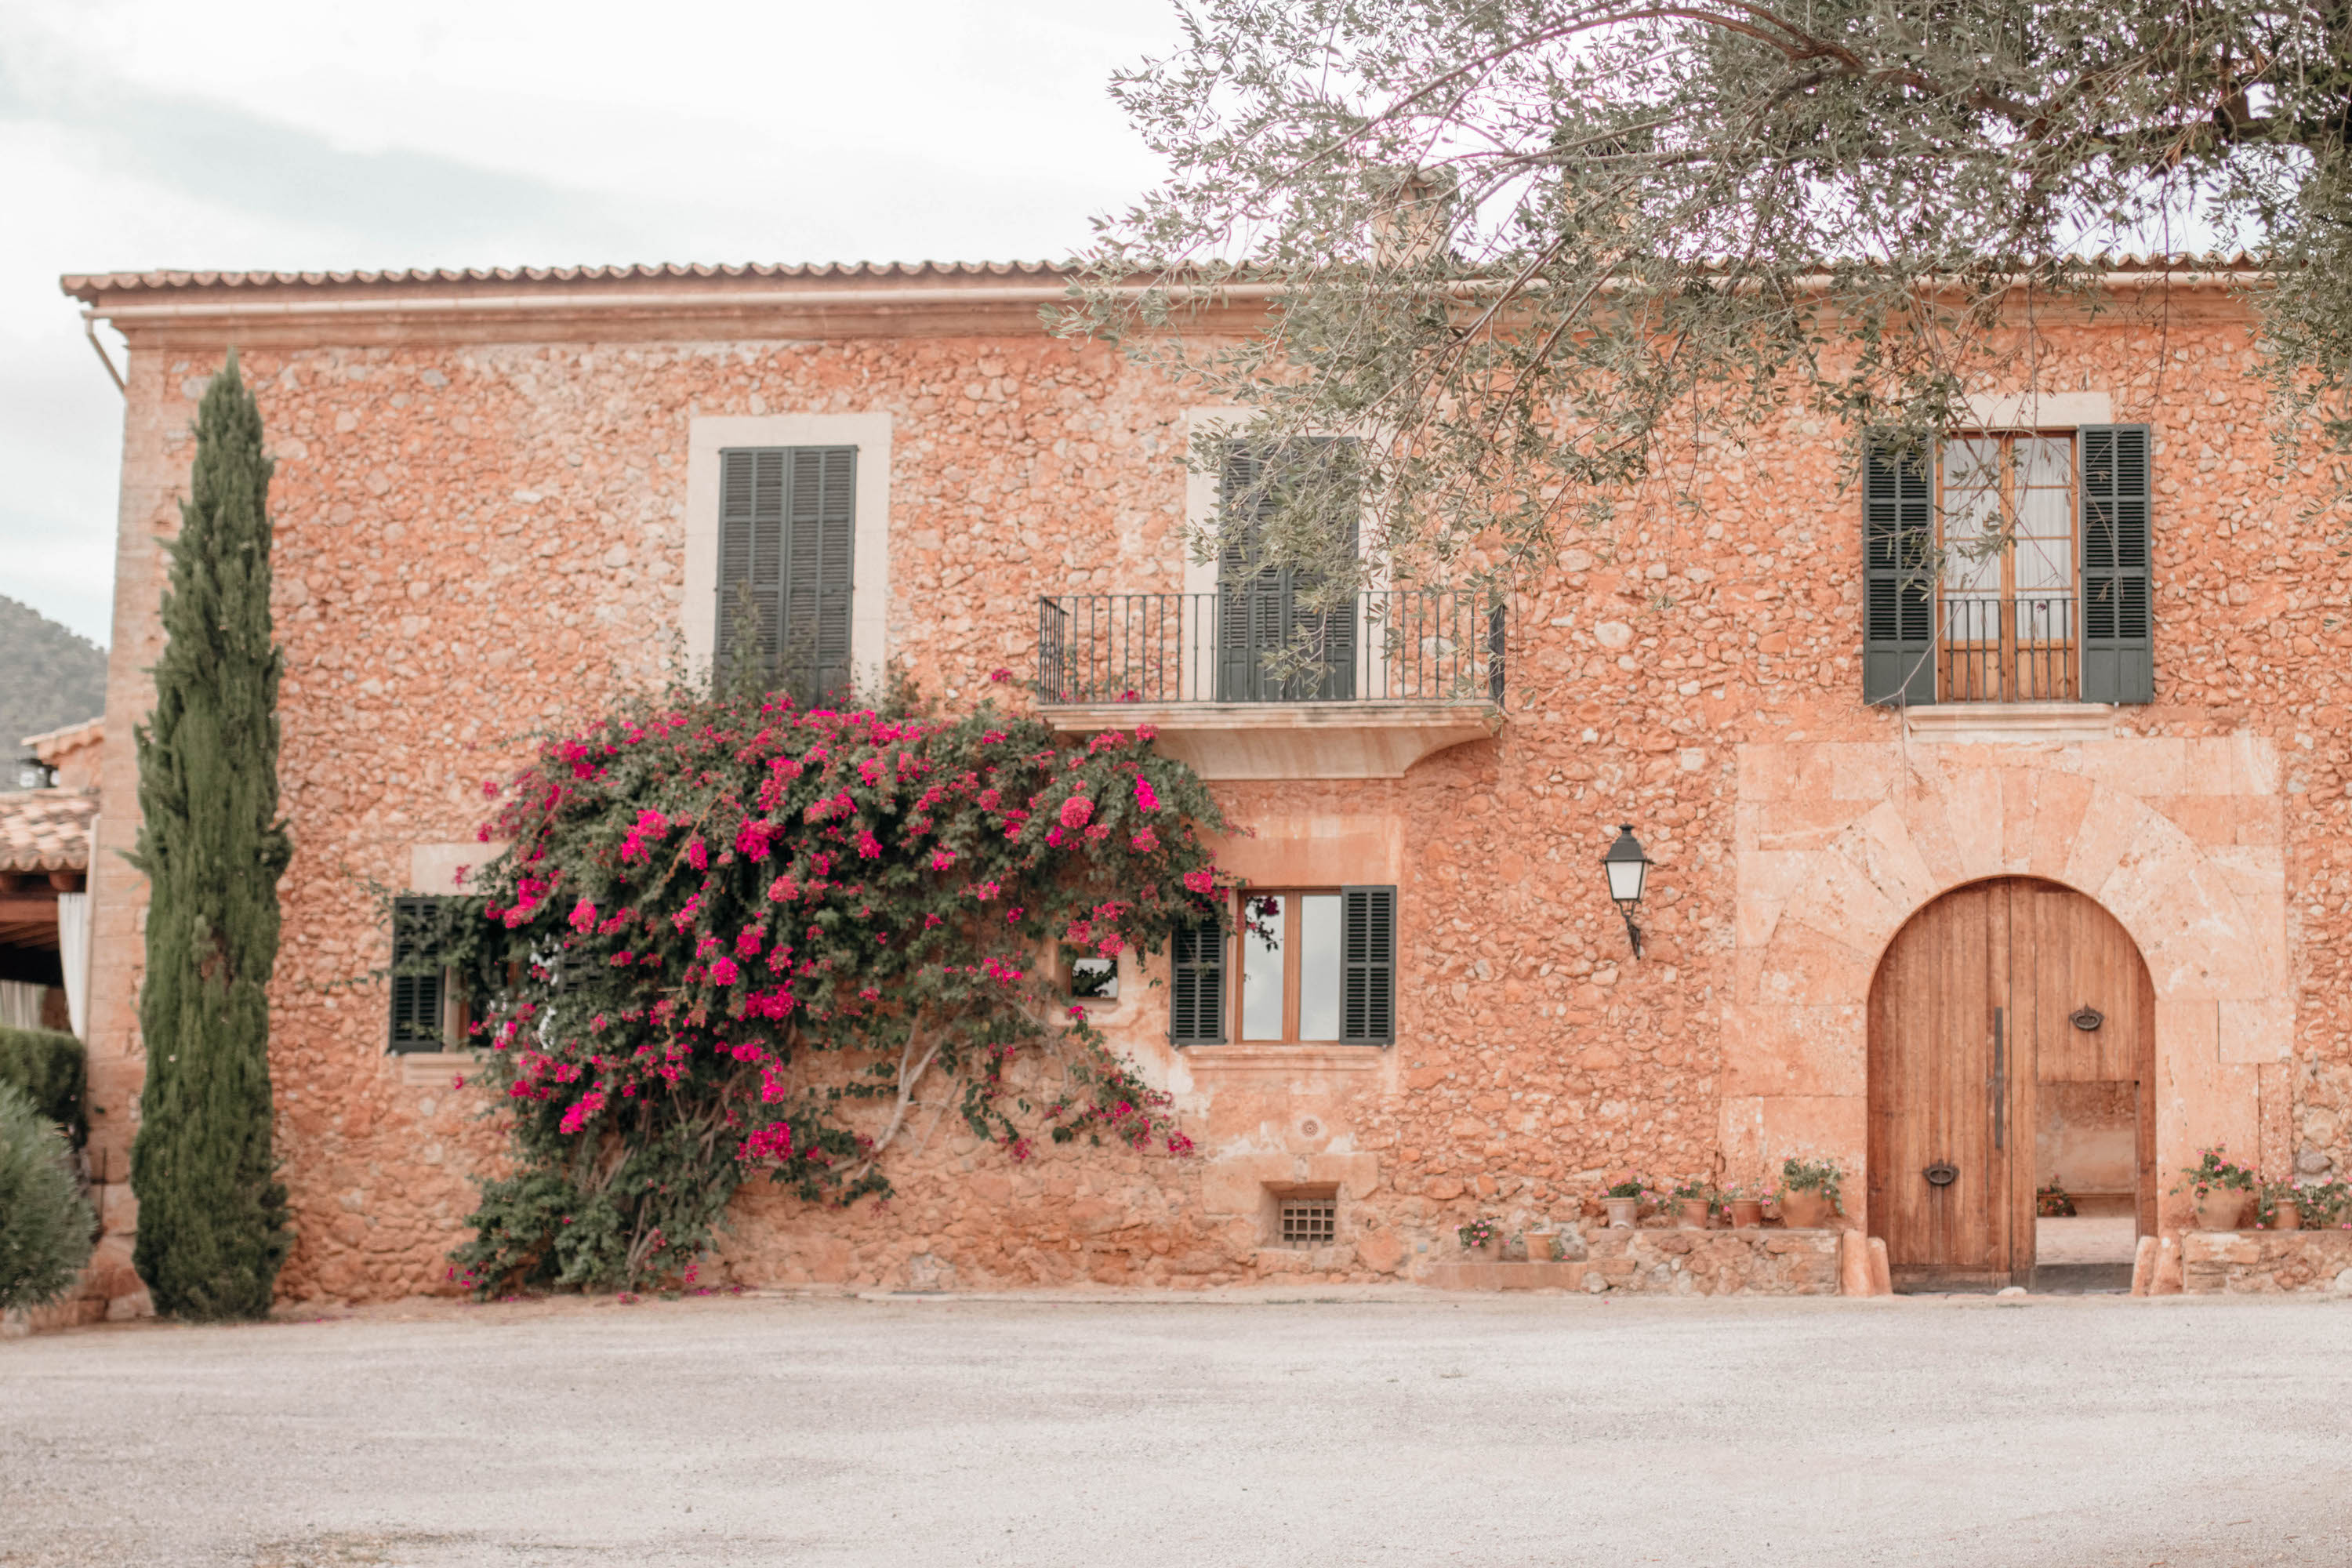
90, 330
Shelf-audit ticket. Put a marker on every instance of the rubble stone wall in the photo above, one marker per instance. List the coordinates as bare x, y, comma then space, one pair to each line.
476, 541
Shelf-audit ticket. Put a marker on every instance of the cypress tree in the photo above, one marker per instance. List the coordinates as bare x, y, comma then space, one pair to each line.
212, 1217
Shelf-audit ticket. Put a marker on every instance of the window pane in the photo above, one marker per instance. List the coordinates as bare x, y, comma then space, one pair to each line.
1318, 967
1972, 517
2044, 460
1262, 916
1093, 978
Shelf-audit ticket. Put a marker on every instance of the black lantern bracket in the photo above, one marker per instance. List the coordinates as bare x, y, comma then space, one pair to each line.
1627, 865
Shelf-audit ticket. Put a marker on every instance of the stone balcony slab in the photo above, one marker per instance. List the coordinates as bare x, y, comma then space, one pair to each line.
1227, 741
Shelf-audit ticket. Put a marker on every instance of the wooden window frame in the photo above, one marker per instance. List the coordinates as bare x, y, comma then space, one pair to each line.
1293, 956
2020, 670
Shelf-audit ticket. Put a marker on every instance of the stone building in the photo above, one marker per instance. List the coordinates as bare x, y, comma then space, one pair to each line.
2042, 876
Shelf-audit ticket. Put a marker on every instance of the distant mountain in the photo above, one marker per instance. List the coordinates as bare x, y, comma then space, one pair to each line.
49, 678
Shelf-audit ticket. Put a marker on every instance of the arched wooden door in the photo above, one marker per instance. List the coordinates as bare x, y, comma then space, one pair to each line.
1986, 1001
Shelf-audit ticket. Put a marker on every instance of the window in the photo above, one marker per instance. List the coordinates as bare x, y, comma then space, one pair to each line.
2007, 613
2009, 567
787, 539
1289, 966
1274, 642
1309, 1222
427, 1013
1092, 977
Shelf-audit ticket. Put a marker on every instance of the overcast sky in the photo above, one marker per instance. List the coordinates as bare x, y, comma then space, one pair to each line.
297, 134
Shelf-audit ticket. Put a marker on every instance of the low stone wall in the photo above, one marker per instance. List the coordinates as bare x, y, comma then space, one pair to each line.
1667, 1263
2265, 1262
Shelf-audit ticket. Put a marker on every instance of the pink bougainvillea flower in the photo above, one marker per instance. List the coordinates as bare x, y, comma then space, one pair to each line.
774, 1141
697, 856
1202, 883
1000, 674
783, 890
868, 847
722, 971
1076, 811
1145, 842
583, 916
942, 858
1147, 799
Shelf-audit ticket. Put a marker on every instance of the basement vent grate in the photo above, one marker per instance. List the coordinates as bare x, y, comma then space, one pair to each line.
1309, 1223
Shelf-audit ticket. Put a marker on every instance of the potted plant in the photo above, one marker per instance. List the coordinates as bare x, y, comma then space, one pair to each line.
1811, 1195
2220, 1187
1543, 1242
1742, 1209
1624, 1203
1483, 1238
1691, 1202
2053, 1202
2279, 1206
2324, 1206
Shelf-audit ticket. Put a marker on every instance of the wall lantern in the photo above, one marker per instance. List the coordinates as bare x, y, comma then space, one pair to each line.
1628, 865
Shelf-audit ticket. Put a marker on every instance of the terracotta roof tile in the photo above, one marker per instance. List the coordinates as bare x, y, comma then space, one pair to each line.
72, 735
45, 830
89, 286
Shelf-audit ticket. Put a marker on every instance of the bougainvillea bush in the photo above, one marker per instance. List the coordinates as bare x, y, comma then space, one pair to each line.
732, 937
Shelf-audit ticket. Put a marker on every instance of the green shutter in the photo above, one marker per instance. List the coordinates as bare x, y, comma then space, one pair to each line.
787, 542
1898, 583
1196, 1002
2118, 640
1257, 607
418, 977
1368, 965
751, 556
820, 542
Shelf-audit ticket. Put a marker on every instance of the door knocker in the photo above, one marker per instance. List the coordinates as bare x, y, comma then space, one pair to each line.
2086, 1018
1942, 1174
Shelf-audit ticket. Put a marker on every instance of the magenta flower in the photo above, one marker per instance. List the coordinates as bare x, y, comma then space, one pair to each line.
1077, 811
1147, 799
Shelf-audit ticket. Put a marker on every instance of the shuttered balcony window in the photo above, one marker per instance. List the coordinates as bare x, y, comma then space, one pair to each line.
2007, 609
2010, 568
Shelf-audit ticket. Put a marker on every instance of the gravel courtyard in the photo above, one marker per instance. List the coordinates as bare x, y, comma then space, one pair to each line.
1361, 1430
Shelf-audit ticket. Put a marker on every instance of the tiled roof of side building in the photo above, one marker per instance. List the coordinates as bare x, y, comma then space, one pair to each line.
45, 830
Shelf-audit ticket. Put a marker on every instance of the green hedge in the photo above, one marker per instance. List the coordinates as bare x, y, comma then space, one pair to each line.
50, 1068
46, 1227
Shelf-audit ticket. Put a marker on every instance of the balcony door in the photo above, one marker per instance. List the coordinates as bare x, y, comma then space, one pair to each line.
1277, 640
2009, 596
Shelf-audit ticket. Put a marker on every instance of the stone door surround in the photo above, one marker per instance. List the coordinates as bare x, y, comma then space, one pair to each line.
1839, 843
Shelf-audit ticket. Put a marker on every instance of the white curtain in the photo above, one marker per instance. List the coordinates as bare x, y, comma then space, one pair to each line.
73, 953
20, 1005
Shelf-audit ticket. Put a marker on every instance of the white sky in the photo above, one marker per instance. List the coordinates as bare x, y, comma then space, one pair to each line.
325, 133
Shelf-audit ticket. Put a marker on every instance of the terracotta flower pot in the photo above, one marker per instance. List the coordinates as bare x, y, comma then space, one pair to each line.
2221, 1208
1539, 1245
2286, 1216
1747, 1214
1690, 1214
1804, 1210
1622, 1212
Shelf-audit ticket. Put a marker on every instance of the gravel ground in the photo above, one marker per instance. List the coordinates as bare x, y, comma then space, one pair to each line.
1355, 1429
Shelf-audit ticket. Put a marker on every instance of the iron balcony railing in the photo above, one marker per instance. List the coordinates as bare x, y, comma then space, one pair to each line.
2018, 648
1271, 645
